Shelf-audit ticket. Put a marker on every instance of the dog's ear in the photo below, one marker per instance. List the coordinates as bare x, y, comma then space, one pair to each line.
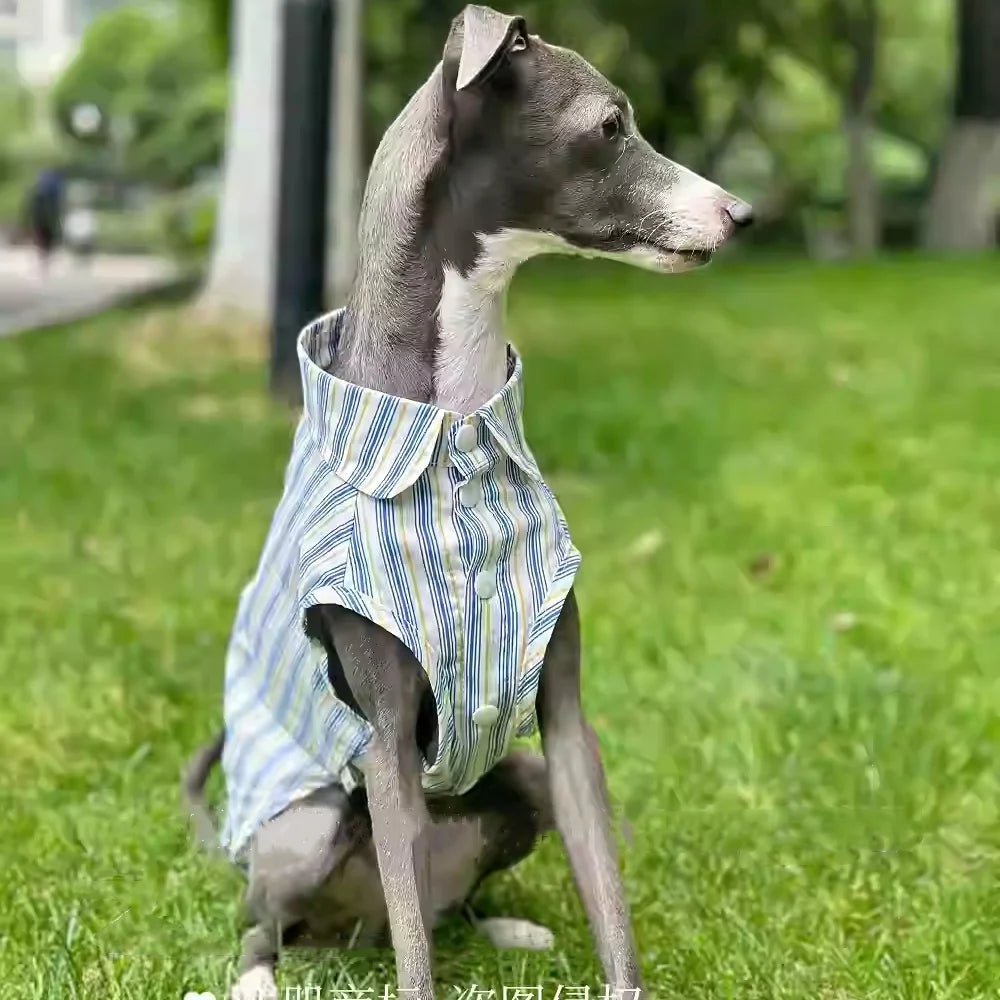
479, 40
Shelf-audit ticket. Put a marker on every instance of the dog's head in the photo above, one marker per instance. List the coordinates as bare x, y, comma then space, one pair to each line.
544, 155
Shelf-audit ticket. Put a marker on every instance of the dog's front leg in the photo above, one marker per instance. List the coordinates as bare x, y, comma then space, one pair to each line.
580, 802
388, 683
399, 826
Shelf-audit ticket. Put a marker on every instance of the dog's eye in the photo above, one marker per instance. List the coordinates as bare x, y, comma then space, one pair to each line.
612, 126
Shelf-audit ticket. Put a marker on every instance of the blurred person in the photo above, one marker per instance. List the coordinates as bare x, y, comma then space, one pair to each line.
45, 207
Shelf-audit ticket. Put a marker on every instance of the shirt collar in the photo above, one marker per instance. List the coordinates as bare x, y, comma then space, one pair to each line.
381, 444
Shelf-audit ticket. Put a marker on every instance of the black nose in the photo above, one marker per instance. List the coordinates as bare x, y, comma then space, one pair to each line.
741, 213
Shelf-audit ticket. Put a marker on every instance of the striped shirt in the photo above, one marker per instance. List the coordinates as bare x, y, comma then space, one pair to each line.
436, 526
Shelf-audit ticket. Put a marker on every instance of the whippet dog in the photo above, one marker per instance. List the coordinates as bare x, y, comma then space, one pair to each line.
413, 611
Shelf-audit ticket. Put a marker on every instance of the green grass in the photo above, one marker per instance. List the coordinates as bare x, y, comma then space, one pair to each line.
784, 481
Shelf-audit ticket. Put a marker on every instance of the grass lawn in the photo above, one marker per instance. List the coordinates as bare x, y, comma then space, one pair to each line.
786, 485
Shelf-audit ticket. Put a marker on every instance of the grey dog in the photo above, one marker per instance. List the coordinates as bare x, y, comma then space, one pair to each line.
512, 148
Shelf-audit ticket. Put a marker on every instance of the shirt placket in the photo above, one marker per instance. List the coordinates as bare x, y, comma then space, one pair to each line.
479, 704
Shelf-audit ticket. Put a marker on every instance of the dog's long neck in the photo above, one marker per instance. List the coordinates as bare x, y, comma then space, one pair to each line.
417, 325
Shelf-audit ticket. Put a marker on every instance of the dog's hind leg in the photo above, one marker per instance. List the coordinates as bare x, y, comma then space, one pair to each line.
580, 802
291, 859
517, 811
492, 827
389, 686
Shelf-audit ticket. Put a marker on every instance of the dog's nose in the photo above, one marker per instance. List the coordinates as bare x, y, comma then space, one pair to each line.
740, 212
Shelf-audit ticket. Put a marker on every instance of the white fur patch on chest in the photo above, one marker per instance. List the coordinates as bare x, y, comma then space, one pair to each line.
471, 363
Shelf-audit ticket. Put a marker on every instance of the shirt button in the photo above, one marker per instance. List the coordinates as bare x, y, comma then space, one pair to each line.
486, 716
472, 493
465, 439
486, 584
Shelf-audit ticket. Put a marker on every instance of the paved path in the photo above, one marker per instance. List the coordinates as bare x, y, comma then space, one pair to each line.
71, 290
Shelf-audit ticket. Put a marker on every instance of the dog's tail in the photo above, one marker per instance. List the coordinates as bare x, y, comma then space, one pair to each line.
193, 782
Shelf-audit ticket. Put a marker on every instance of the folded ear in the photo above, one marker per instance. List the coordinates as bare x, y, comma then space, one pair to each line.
480, 37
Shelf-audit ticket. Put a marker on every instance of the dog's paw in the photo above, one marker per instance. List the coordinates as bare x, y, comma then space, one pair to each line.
256, 984
507, 933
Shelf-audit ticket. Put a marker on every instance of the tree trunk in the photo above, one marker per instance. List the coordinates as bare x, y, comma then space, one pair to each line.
241, 273
960, 215
859, 27
346, 170
864, 216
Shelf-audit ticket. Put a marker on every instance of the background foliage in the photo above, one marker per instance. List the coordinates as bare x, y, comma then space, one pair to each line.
166, 81
766, 96
748, 90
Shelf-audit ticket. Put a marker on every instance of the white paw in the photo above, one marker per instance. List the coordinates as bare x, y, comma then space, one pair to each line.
256, 984
509, 932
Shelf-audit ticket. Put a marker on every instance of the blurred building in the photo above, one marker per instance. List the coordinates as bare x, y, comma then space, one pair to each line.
38, 38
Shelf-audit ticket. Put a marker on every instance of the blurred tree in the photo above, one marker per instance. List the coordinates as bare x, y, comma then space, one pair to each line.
157, 75
916, 43
14, 119
177, 108
839, 40
104, 71
220, 14
963, 209
680, 39
855, 28
187, 141
14, 178
214, 17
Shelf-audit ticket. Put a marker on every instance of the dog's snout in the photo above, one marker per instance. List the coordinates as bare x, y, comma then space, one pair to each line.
740, 212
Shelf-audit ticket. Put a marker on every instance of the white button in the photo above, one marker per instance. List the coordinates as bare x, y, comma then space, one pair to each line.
472, 493
465, 439
486, 716
486, 584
